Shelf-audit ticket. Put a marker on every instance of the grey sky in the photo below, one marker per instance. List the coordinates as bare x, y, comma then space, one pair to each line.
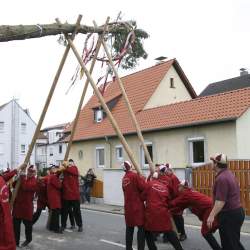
209, 38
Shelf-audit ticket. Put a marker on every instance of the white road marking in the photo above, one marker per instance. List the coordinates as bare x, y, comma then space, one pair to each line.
114, 243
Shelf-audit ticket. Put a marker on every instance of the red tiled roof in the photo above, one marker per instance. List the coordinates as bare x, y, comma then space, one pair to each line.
139, 87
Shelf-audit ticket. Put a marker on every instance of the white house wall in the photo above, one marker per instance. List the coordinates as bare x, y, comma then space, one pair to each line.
5, 116
165, 95
243, 135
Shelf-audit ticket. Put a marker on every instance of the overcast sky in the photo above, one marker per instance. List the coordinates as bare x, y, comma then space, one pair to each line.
209, 38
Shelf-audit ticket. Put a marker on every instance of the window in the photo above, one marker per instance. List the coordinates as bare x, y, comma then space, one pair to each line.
119, 153
23, 127
98, 115
143, 158
100, 157
172, 82
1, 126
1, 148
80, 154
50, 151
60, 149
23, 149
196, 150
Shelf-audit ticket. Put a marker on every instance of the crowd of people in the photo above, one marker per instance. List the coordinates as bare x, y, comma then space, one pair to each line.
155, 205
58, 190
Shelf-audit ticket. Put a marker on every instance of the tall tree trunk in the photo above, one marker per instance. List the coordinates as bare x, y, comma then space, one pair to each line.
21, 32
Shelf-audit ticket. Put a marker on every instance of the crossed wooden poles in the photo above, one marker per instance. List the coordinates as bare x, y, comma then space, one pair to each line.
97, 92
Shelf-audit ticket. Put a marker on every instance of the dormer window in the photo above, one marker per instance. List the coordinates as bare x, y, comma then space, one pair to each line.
98, 115
172, 83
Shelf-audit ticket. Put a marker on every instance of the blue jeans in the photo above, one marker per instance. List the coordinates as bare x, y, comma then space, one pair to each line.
86, 192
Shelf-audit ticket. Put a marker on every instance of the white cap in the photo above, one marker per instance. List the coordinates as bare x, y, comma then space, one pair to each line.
126, 166
219, 158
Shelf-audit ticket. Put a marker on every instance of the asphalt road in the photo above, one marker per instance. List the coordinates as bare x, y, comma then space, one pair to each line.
103, 231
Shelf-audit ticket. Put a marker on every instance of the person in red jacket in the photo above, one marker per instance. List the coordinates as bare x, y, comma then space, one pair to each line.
42, 199
177, 215
200, 205
157, 215
23, 206
71, 194
132, 186
54, 187
7, 238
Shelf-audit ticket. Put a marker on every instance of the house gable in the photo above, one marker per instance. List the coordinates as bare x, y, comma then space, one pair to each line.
170, 90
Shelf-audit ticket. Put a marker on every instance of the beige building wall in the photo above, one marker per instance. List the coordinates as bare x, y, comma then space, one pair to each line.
165, 95
243, 135
171, 146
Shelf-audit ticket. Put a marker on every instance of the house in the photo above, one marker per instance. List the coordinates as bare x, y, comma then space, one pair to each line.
16, 132
178, 127
50, 146
240, 82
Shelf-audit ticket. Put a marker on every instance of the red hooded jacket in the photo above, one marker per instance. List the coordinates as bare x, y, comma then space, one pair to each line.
54, 187
200, 204
157, 215
7, 238
133, 185
42, 199
70, 184
23, 205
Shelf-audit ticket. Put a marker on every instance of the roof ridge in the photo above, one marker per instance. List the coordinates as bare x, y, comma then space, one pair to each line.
233, 78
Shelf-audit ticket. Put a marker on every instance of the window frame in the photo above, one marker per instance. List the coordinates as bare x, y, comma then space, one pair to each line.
97, 159
172, 82
191, 140
23, 151
2, 128
142, 155
60, 148
23, 127
118, 158
98, 111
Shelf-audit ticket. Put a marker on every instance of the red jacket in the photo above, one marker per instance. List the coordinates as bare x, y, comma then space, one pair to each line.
54, 187
133, 185
42, 199
200, 204
70, 184
7, 239
23, 205
157, 215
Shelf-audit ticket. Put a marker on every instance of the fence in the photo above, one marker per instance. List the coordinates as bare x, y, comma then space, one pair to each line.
97, 190
203, 179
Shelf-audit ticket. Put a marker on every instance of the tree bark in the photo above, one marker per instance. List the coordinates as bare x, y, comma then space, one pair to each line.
21, 32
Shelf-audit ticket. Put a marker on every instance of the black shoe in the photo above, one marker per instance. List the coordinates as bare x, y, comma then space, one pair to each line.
79, 229
72, 227
25, 243
62, 229
183, 237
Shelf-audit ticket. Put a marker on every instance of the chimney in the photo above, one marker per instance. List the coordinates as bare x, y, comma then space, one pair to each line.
160, 59
243, 72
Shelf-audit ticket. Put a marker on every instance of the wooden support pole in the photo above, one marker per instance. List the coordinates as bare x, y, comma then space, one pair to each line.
105, 107
98, 46
129, 107
45, 108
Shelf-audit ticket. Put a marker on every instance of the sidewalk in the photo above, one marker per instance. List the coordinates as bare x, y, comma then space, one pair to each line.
189, 219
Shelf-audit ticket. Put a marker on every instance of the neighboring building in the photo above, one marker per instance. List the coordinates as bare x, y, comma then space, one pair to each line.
51, 147
240, 82
16, 132
178, 127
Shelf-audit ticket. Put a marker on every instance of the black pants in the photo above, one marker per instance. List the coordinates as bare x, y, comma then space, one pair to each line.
140, 238
54, 220
36, 215
171, 236
86, 192
75, 207
230, 223
179, 222
212, 241
17, 229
